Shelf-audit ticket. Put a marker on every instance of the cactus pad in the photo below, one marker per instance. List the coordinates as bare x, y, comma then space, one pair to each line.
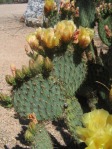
42, 139
46, 96
38, 137
86, 12
40, 96
52, 19
101, 30
73, 116
71, 73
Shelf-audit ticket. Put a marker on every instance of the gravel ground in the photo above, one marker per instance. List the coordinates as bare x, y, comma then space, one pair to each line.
12, 41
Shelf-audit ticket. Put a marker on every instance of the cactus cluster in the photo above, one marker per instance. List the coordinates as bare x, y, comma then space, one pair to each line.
104, 16
66, 75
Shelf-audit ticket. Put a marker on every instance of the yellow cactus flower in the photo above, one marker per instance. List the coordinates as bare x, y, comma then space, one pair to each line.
55, 41
109, 119
39, 32
67, 34
47, 33
97, 133
101, 139
99, 122
49, 38
33, 41
65, 29
59, 28
52, 42
49, 6
85, 36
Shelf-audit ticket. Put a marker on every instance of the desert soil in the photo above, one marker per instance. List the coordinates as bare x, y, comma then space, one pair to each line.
12, 41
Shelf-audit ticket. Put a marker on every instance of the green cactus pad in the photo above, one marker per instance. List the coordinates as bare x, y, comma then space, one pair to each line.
86, 12
73, 115
101, 31
43, 97
42, 139
46, 96
53, 19
69, 71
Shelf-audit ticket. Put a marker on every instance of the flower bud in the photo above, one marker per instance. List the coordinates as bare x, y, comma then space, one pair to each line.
19, 75
84, 41
10, 80
49, 6
26, 71
40, 60
32, 67
29, 136
48, 66
38, 33
33, 41
31, 63
75, 36
32, 127
37, 66
33, 119
85, 36
13, 69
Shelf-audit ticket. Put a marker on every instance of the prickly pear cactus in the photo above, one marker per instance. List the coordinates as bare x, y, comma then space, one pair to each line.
38, 135
73, 116
41, 96
42, 138
63, 65
67, 70
86, 13
46, 96
101, 28
51, 20
104, 14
